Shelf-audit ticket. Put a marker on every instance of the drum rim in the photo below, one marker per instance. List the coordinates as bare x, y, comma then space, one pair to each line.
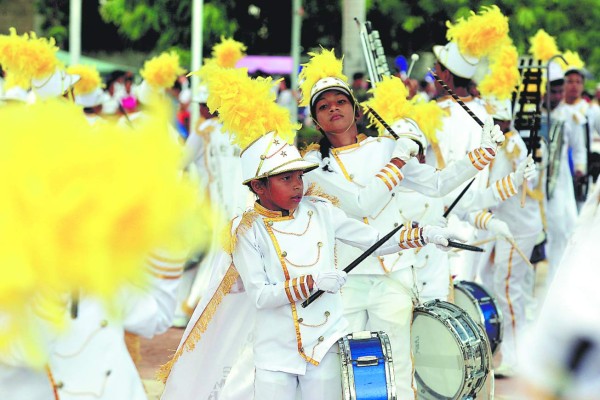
481, 342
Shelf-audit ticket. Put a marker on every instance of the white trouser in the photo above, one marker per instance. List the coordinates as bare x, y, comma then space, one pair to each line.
321, 382
512, 289
380, 303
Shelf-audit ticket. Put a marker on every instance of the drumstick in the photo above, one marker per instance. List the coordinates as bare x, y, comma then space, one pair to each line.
479, 243
514, 245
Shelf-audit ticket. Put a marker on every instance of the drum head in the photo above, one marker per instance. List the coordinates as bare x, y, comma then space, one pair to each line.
439, 362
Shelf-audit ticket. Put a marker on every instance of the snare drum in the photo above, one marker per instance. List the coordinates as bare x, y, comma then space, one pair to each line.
482, 307
367, 366
451, 353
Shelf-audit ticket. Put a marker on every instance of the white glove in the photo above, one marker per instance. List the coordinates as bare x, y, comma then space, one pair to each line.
499, 228
525, 170
491, 135
440, 236
329, 281
405, 149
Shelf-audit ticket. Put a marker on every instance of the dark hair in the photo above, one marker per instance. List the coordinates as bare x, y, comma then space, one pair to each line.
262, 180
358, 75
287, 80
324, 146
458, 81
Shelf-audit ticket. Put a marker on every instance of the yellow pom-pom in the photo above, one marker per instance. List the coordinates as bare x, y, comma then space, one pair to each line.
89, 78
543, 46
504, 76
162, 71
573, 60
428, 116
12, 80
83, 206
246, 106
390, 100
27, 55
227, 53
320, 65
480, 34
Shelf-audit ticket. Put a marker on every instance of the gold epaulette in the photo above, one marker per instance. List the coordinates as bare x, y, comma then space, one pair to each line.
316, 191
313, 146
229, 236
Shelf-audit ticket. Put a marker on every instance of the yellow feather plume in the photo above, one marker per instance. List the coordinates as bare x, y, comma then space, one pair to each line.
504, 76
481, 33
390, 101
320, 65
246, 106
162, 71
428, 116
28, 55
543, 46
12, 80
573, 60
90, 78
227, 53
83, 206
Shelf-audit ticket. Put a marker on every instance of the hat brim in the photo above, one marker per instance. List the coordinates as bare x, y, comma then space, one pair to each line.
295, 165
342, 89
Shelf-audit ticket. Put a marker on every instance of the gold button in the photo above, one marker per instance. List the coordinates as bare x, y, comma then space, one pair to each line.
270, 223
284, 254
263, 157
300, 320
321, 338
327, 313
59, 385
320, 244
379, 139
395, 224
400, 211
302, 349
393, 194
426, 205
351, 176
310, 212
104, 323
426, 257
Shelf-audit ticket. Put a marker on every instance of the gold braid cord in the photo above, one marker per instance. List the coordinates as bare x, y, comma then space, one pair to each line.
231, 276
316, 191
313, 146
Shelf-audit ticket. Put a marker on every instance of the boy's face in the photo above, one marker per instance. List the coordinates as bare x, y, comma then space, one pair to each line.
281, 192
573, 86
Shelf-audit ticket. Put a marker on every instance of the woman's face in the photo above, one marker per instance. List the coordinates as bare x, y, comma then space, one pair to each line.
334, 112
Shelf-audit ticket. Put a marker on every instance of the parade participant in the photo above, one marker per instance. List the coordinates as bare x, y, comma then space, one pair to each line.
93, 230
562, 347
283, 248
582, 114
88, 91
217, 164
364, 174
33, 62
561, 210
470, 41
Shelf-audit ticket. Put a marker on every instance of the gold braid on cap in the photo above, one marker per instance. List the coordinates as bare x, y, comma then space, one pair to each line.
321, 65
479, 34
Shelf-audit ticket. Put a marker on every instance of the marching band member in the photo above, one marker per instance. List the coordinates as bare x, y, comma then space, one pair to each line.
365, 174
564, 133
88, 91
470, 41
283, 249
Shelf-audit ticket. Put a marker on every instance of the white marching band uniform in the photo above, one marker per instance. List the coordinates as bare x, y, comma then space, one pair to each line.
273, 255
508, 276
562, 348
458, 135
562, 208
366, 184
90, 359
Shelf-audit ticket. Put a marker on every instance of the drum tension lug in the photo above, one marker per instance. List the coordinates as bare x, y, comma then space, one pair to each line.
366, 361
